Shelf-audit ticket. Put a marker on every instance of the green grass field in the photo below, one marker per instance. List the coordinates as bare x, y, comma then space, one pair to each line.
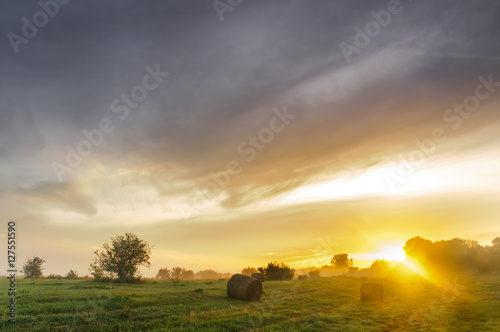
311, 305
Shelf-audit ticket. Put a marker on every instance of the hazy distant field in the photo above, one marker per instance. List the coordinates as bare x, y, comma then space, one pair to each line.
310, 305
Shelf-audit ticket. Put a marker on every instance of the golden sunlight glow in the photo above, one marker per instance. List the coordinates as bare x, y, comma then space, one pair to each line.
416, 266
436, 279
390, 252
372, 182
394, 253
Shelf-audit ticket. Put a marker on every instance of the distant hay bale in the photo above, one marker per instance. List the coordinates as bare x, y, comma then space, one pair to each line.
303, 277
244, 288
372, 292
364, 278
259, 276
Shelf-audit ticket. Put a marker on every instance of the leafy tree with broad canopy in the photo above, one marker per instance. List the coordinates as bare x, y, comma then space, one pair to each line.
33, 267
341, 262
121, 258
164, 274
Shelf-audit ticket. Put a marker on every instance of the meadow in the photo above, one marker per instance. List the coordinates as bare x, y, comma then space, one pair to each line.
322, 304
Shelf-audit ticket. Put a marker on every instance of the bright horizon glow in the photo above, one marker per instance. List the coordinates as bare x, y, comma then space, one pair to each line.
371, 182
448, 174
393, 254
389, 252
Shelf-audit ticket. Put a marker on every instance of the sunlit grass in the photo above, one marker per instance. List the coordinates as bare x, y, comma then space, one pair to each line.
312, 305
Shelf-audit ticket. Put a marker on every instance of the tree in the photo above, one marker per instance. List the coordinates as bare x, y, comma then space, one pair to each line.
496, 242
341, 261
98, 272
380, 267
275, 271
207, 275
72, 275
248, 271
187, 274
450, 257
121, 258
327, 268
314, 273
163, 274
176, 273
495, 254
33, 267
353, 269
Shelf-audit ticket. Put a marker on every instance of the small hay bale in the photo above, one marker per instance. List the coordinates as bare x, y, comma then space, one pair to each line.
371, 291
303, 277
259, 276
364, 278
245, 288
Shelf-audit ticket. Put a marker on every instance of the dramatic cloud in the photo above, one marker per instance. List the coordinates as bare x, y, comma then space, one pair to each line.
214, 111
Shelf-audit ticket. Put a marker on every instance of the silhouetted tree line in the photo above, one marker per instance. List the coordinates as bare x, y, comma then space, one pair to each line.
455, 256
178, 273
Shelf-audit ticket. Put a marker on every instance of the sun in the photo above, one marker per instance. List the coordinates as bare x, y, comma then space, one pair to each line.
392, 253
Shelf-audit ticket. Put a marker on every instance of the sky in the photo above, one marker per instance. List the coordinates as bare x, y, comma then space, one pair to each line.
234, 135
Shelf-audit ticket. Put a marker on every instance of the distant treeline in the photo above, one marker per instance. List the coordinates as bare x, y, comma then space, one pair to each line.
455, 256
178, 273
440, 257
272, 271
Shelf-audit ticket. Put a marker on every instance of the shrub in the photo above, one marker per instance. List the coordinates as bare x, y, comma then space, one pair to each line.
72, 275
314, 273
275, 271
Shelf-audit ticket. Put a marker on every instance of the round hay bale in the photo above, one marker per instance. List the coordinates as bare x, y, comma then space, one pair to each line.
259, 276
244, 288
